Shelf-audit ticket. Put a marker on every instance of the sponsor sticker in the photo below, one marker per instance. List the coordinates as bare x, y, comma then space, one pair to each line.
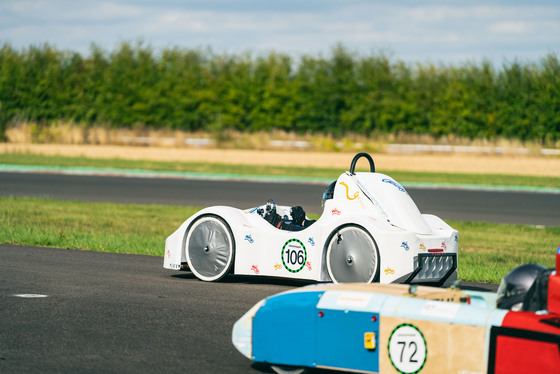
439, 309
353, 300
389, 271
356, 194
392, 182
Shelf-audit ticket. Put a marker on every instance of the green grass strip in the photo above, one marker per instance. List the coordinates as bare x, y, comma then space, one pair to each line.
489, 251
486, 251
106, 227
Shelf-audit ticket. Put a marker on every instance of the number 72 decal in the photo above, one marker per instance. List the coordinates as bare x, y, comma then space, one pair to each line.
407, 349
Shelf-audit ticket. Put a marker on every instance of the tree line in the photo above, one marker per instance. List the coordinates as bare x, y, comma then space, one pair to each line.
341, 93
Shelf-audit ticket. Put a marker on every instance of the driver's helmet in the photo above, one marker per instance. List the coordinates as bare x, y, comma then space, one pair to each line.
515, 285
328, 194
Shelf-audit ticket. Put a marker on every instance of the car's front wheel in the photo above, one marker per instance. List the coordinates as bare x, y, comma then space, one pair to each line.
209, 248
352, 255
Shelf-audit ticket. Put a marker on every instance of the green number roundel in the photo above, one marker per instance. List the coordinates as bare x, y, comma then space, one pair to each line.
294, 255
407, 349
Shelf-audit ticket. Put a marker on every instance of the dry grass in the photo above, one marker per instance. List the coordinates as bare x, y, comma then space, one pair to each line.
477, 164
68, 139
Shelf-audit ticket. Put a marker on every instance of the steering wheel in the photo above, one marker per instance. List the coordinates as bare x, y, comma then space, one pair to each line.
357, 157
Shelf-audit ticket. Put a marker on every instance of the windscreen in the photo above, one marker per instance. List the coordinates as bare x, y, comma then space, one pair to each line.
393, 200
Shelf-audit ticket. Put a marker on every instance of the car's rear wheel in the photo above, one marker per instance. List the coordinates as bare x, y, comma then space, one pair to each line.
209, 248
352, 255
283, 369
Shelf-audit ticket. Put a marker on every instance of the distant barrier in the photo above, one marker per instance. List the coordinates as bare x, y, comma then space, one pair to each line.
407, 149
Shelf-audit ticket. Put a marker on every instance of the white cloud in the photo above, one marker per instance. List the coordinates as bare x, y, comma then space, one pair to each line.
510, 27
437, 14
432, 29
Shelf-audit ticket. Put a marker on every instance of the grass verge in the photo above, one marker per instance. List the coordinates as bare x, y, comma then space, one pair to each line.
255, 170
487, 251
106, 227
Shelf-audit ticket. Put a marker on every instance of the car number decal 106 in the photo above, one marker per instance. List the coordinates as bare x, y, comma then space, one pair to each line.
407, 349
294, 255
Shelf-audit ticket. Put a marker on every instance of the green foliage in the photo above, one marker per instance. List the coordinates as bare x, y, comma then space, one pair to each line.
338, 94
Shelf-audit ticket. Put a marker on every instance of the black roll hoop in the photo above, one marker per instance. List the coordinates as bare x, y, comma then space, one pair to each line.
357, 157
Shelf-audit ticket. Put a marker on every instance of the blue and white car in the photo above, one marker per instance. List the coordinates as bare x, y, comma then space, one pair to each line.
397, 328
370, 231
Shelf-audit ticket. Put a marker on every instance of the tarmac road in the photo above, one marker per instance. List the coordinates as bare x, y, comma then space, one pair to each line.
117, 313
532, 208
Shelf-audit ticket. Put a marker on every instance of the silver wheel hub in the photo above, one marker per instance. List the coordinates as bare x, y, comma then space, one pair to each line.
352, 256
209, 248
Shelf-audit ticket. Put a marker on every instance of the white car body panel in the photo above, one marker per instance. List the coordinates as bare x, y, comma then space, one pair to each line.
373, 201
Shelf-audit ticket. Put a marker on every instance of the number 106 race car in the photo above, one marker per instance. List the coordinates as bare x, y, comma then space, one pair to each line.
370, 231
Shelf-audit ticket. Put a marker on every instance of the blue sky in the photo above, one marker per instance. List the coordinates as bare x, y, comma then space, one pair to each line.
414, 31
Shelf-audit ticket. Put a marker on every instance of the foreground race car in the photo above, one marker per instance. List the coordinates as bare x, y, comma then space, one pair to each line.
370, 230
396, 328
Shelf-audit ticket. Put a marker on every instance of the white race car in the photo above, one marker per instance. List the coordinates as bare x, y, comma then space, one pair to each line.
370, 231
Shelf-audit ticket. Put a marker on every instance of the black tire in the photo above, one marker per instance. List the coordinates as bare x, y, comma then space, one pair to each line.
283, 369
209, 248
351, 255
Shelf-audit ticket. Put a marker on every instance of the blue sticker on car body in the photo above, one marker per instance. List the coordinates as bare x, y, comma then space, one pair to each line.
390, 181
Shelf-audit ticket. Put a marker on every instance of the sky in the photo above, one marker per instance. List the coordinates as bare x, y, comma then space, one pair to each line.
429, 31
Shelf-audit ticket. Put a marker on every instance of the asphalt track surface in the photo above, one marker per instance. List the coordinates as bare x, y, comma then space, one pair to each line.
531, 208
117, 313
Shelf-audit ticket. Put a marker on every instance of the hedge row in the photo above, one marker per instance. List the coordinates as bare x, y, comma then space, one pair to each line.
341, 93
